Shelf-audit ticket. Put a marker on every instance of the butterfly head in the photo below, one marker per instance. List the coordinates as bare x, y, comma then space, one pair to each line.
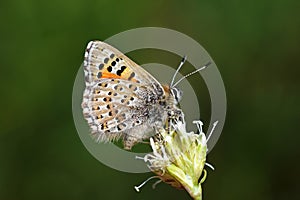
176, 93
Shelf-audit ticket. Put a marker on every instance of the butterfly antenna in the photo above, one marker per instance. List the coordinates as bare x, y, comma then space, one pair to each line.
197, 70
178, 68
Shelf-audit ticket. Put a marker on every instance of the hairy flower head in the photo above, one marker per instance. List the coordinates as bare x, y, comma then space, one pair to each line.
179, 157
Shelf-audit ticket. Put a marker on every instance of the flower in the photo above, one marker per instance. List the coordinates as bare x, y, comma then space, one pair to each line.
179, 157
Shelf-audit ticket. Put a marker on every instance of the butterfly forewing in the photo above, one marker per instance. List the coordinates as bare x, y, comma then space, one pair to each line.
104, 61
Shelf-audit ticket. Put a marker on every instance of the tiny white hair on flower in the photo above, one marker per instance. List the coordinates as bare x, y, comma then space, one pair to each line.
179, 157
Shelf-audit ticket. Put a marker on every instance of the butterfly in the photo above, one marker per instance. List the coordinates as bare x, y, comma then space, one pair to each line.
122, 100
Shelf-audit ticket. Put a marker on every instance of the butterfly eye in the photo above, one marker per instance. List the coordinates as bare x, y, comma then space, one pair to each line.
177, 94
174, 92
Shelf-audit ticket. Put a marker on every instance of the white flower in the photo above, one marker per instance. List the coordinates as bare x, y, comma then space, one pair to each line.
179, 157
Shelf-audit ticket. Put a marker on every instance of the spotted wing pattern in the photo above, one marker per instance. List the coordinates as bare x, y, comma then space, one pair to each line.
104, 61
117, 90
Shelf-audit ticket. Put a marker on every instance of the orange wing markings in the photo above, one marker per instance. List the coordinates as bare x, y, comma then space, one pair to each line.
112, 75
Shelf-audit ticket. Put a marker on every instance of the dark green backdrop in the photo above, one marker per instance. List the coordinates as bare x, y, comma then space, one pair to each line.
255, 44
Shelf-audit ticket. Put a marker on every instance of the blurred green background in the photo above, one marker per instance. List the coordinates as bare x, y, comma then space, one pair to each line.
255, 44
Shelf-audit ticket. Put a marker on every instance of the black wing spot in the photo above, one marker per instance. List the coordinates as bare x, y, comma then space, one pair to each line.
132, 87
109, 69
100, 67
131, 76
120, 71
99, 75
113, 63
106, 99
106, 60
124, 125
96, 91
102, 84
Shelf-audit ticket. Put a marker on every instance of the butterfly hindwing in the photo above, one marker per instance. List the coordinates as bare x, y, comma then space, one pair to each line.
113, 106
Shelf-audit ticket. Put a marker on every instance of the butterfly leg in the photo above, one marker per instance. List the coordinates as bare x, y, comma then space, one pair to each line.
174, 116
